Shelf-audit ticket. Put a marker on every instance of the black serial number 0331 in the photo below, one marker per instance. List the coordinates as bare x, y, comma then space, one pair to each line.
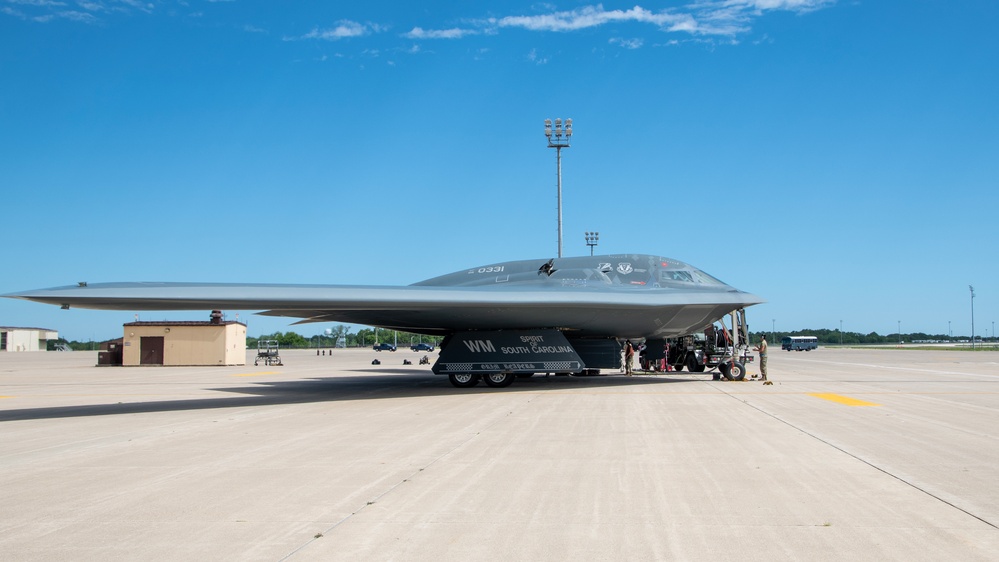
493, 269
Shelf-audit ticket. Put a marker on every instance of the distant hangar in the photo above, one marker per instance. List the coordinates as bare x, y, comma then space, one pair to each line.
25, 339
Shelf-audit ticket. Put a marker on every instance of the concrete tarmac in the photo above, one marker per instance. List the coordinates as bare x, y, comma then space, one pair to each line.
850, 455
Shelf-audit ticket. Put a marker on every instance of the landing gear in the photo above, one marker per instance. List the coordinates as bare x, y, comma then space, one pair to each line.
733, 371
463, 380
499, 380
495, 380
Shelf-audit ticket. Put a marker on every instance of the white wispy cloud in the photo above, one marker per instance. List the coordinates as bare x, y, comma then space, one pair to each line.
790, 5
726, 18
453, 33
344, 29
136, 4
712, 20
83, 11
590, 16
75, 15
534, 57
36, 2
730, 17
626, 43
92, 6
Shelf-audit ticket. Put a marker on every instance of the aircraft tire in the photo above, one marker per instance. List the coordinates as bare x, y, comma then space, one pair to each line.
499, 380
463, 380
733, 371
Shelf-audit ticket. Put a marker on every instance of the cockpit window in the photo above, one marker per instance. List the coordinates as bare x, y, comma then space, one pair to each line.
684, 276
701, 277
694, 276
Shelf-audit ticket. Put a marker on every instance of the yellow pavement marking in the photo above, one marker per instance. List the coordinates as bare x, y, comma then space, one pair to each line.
842, 399
2, 397
261, 373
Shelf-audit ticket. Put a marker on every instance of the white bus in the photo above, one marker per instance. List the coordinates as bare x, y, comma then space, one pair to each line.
799, 343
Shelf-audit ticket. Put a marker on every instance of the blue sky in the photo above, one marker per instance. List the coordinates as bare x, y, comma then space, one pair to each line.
839, 158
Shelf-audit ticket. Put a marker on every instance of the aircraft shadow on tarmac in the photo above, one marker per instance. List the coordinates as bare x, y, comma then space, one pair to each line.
386, 383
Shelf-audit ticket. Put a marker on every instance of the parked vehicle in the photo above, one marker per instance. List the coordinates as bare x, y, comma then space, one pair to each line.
799, 343
421, 347
384, 347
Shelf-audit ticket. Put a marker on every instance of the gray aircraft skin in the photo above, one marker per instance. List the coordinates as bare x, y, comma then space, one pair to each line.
612, 296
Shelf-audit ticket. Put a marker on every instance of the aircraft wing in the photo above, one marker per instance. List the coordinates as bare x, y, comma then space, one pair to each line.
621, 312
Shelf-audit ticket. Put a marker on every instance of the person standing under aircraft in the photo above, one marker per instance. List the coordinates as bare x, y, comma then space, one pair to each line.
629, 357
762, 348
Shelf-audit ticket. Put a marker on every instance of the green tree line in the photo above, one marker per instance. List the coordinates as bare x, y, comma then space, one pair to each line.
366, 337
835, 337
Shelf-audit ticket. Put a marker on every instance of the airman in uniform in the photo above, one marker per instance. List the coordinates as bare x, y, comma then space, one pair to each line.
762, 348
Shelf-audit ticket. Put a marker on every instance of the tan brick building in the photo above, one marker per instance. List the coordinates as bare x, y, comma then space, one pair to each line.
184, 343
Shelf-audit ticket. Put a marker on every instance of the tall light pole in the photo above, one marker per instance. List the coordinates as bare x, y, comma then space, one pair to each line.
773, 329
949, 333
840, 332
559, 139
591, 239
972, 289
899, 332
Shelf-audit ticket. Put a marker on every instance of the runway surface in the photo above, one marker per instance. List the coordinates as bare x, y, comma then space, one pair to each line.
850, 455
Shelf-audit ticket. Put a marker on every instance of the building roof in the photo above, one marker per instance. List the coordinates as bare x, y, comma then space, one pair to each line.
8, 328
183, 323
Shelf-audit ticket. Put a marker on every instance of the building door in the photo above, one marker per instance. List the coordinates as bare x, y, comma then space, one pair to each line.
151, 350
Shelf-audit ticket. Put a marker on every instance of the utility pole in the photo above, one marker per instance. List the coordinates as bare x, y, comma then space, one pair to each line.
560, 141
972, 289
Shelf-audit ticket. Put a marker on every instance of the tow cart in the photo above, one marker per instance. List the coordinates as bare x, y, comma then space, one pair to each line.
267, 351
